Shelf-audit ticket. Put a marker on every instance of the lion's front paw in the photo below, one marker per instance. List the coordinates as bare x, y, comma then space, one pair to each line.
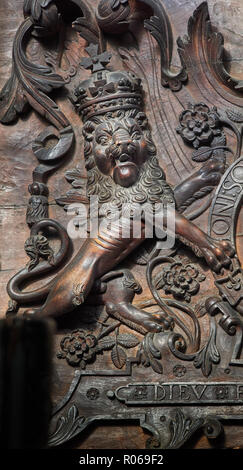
218, 254
166, 322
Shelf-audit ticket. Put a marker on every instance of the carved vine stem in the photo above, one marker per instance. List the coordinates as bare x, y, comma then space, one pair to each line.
30, 85
166, 304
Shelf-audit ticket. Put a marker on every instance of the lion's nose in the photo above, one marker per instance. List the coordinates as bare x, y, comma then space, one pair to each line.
122, 150
123, 144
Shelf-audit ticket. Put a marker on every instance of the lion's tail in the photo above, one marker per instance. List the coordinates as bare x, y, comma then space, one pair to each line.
37, 247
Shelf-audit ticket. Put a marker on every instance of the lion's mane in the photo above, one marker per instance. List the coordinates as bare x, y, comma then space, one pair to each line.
151, 185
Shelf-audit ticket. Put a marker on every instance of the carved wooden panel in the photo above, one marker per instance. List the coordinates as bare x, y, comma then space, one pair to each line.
112, 104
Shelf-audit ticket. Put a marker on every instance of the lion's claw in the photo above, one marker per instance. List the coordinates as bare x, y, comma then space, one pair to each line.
218, 254
167, 323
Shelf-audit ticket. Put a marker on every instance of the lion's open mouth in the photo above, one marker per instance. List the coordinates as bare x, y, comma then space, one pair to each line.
124, 157
125, 173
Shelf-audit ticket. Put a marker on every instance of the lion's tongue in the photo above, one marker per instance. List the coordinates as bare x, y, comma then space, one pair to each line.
125, 174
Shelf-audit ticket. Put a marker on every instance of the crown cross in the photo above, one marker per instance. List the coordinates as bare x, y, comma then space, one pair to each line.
95, 62
106, 91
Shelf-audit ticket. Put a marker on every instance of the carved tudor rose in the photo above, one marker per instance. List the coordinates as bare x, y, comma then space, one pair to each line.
150, 316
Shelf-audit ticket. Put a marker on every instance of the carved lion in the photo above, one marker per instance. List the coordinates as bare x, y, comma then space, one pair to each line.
122, 167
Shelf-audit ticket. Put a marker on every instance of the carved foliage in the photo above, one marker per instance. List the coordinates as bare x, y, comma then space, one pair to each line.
30, 83
149, 355
160, 28
182, 428
88, 27
80, 347
67, 427
209, 354
205, 47
44, 16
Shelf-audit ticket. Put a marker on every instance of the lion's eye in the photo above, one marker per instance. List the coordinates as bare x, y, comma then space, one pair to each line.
136, 135
103, 140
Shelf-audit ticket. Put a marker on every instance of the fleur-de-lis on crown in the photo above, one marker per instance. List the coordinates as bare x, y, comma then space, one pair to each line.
102, 88
96, 62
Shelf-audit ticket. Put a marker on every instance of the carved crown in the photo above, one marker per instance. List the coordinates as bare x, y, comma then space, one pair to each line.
106, 91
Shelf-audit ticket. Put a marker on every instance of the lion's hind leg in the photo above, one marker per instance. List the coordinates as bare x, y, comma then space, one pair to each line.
118, 297
137, 319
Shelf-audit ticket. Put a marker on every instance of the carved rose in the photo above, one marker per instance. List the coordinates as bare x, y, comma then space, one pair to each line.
140, 392
93, 393
179, 371
198, 124
222, 392
79, 348
182, 281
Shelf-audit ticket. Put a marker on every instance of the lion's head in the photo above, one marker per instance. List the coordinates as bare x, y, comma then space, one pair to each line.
121, 159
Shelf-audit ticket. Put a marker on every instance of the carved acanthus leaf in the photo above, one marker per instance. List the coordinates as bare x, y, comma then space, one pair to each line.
44, 16
234, 115
209, 355
160, 28
30, 83
88, 27
182, 428
67, 427
204, 46
77, 195
33, 8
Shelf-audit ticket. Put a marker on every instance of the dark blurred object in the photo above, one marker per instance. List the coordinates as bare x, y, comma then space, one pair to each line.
25, 383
